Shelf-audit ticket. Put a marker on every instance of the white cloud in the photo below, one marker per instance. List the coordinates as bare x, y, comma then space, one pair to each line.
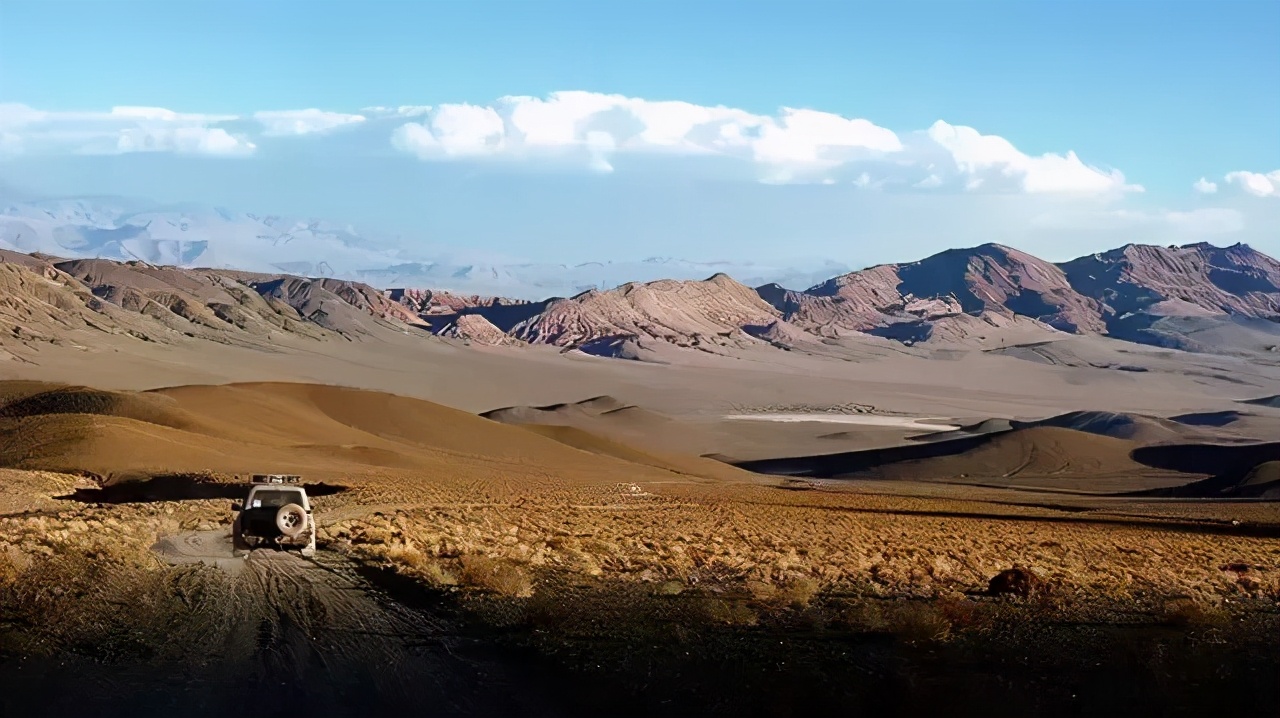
1204, 186
985, 157
401, 111
303, 122
595, 131
191, 140
122, 129
454, 131
1256, 183
794, 146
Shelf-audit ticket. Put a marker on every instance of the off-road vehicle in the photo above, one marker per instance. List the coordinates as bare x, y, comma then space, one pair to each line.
275, 514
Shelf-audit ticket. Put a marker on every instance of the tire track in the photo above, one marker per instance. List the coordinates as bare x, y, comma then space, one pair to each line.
314, 635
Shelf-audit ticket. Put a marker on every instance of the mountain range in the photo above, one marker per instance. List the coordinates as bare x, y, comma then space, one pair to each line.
192, 236
1198, 297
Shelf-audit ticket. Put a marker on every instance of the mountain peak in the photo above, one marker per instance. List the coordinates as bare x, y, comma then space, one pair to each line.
1200, 277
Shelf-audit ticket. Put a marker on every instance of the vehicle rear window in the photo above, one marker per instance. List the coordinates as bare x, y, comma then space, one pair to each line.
274, 498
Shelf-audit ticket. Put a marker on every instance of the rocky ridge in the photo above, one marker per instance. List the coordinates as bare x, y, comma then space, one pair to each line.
1198, 297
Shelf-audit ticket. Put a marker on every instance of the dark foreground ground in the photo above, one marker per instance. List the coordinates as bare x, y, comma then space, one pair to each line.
280, 636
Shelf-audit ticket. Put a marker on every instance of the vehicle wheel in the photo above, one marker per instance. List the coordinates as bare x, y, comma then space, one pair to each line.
291, 519
239, 548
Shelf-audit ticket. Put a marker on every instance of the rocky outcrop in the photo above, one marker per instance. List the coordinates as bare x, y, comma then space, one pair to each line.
477, 329
1194, 280
430, 302
1197, 297
688, 314
224, 305
1016, 581
348, 308
780, 333
984, 329
991, 278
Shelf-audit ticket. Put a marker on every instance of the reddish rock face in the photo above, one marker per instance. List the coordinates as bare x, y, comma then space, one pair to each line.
431, 302
335, 304
978, 297
1003, 280
1195, 280
475, 328
683, 313
990, 278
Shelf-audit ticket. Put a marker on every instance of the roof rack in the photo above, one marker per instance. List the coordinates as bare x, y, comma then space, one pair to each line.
276, 478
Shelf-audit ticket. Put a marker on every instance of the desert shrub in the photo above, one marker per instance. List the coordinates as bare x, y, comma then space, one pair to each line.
914, 621
12, 563
732, 613
798, 592
105, 603
501, 576
373, 535
414, 562
1190, 613
962, 613
861, 617
918, 622
437, 575
761, 590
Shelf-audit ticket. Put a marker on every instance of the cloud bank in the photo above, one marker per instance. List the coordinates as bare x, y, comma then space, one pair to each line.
602, 133
793, 146
303, 122
118, 131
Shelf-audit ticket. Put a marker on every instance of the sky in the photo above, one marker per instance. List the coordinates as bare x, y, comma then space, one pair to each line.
706, 130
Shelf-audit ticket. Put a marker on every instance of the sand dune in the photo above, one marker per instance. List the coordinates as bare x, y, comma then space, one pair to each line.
986, 426
1041, 457
607, 417
1133, 427
327, 432
1272, 402
1214, 459
1141, 429
1216, 419
687, 465
898, 422
1261, 481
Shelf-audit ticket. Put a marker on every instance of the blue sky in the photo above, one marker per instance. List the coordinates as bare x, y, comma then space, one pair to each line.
1150, 95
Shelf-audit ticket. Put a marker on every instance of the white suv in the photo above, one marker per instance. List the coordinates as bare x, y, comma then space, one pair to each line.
276, 514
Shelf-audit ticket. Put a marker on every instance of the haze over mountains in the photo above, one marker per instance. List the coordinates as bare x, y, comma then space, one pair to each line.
198, 236
1197, 297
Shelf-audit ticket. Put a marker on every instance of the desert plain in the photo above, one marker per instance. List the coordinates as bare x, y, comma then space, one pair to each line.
995, 516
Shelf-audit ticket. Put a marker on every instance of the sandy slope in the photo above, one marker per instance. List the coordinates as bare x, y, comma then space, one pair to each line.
325, 432
699, 388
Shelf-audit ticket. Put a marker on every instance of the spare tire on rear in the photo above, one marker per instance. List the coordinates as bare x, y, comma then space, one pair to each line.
291, 519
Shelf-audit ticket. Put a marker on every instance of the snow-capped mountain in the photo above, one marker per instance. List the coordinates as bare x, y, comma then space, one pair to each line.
199, 236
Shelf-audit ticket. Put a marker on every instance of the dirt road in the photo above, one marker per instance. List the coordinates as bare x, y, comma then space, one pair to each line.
286, 636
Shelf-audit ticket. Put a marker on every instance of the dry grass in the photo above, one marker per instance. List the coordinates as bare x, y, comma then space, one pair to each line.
1190, 613
456, 500
502, 576
86, 582
785, 549
753, 550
